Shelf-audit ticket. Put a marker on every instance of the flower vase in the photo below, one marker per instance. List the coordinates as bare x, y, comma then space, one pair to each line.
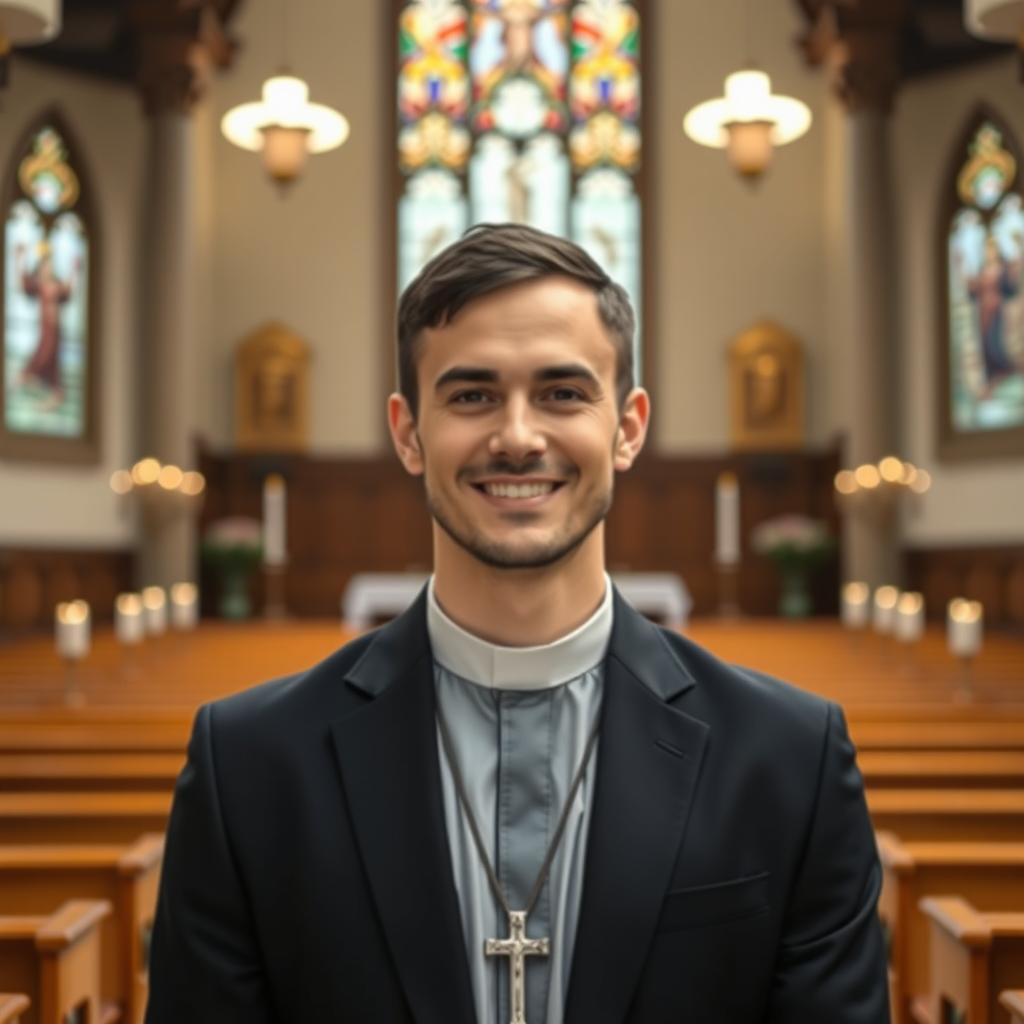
795, 598
234, 594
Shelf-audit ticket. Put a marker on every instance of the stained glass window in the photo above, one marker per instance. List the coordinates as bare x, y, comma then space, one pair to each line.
986, 287
46, 294
525, 111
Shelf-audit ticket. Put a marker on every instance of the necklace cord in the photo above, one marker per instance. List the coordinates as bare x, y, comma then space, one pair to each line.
460, 789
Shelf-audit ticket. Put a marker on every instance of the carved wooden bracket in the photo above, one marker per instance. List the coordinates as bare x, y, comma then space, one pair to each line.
859, 43
178, 44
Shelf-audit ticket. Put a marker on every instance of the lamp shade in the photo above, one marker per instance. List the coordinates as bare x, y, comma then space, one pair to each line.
285, 105
995, 19
26, 22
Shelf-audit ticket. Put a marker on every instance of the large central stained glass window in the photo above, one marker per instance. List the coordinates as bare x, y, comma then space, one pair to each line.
525, 111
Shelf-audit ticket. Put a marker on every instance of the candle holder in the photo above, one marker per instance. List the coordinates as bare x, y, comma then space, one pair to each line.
964, 628
73, 623
855, 611
964, 692
728, 590
74, 695
130, 630
908, 626
274, 606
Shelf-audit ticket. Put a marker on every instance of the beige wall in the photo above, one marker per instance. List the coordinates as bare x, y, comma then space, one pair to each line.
975, 502
312, 258
73, 505
725, 253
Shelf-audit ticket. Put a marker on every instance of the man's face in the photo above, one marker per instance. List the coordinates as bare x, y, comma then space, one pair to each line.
518, 434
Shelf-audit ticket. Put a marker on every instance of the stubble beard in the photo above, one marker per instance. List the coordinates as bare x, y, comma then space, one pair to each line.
498, 555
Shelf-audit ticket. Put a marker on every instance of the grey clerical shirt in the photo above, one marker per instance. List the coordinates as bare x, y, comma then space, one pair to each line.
519, 718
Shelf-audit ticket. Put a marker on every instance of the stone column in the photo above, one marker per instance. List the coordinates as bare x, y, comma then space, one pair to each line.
176, 50
858, 43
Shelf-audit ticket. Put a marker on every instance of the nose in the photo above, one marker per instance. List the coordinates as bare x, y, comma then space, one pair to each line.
518, 436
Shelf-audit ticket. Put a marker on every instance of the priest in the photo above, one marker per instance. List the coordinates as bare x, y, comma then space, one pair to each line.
520, 801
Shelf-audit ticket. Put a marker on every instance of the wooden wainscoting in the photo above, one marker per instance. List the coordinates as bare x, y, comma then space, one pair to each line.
34, 580
992, 574
359, 515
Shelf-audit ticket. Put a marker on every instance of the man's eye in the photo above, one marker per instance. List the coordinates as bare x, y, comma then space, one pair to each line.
565, 394
470, 397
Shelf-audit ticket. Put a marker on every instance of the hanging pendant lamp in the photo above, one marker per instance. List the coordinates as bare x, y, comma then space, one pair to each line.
998, 20
28, 22
285, 127
748, 122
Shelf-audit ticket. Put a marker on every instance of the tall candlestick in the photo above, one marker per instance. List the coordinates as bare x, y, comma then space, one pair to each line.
154, 602
908, 625
129, 619
727, 519
184, 606
275, 497
964, 627
855, 607
885, 609
72, 621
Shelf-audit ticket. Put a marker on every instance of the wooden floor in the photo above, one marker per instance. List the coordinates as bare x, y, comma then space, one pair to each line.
175, 673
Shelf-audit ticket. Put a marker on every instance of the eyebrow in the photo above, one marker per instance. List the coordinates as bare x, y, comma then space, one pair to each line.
479, 375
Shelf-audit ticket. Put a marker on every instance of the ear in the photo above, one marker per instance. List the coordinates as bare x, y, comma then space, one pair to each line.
632, 432
404, 437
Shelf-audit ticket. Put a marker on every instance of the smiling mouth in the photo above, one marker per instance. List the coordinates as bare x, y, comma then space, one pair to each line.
520, 491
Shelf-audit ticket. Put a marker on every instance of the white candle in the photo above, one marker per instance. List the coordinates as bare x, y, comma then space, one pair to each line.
964, 627
909, 623
885, 609
855, 605
275, 498
73, 627
727, 519
129, 622
184, 606
154, 603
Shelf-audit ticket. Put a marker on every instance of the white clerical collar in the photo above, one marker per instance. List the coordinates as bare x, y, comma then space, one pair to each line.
519, 668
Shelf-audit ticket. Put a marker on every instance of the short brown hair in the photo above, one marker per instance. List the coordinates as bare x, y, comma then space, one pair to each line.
493, 256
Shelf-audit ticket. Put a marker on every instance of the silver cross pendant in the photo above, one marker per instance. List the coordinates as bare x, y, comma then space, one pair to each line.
517, 947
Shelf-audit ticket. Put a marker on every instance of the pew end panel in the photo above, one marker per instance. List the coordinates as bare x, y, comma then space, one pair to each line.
990, 875
55, 960
974, 957
1012, 1000
12, 1006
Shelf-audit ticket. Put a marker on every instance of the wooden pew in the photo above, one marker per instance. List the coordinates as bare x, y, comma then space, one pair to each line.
927, 769
1012, 1000
12, 1006
974, 956
77, 771
971, 815
55, 960
898, 733
36, 878
42, 735
81, 817
990, 875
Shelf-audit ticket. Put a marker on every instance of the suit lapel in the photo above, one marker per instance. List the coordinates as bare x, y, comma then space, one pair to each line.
649, 760
387, 754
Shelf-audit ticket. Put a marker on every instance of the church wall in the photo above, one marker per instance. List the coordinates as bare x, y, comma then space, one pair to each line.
974, 502
313, 257
726, 253
63, 506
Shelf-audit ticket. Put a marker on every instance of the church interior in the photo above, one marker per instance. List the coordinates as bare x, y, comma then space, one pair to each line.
211, 208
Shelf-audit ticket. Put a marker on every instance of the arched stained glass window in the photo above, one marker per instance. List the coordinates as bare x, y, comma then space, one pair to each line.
46, 399
983, 364
526, 111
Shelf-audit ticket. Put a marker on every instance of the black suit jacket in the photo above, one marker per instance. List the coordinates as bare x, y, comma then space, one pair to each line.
730, 876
